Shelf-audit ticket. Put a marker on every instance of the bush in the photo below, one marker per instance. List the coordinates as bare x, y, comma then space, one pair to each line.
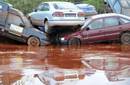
99, 4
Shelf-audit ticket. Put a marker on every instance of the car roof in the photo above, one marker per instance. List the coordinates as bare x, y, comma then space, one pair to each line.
103, 16
51, 2
108, 15
83, 5
10, 5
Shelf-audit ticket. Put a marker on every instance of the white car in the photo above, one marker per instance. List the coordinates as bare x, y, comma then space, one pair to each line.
49, 14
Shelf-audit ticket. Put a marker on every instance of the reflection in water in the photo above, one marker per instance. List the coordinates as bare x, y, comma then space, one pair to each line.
116, 69
55, 65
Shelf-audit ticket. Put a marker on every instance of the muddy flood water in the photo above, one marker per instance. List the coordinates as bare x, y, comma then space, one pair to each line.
100, 64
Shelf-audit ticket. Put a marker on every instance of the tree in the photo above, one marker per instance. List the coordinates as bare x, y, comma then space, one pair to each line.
26, 6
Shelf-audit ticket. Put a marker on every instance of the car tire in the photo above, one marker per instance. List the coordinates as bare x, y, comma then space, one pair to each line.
74, 42
125, 38
58, 42
33, 41
46, 26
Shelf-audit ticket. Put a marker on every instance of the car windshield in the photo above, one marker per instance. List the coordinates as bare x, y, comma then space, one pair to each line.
86, 23
125, 3
64, 6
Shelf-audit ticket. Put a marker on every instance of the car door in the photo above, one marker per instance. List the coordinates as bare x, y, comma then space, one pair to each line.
43, 11
111, 28
14, 25
92, 31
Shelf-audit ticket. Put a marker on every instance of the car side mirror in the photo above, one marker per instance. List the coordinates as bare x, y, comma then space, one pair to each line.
22, 25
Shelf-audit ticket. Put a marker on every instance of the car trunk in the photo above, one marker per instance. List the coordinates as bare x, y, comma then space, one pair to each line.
71, 14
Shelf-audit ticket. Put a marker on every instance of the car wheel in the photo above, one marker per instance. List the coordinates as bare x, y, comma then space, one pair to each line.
46, 26
33, 41
74, 41
125, 38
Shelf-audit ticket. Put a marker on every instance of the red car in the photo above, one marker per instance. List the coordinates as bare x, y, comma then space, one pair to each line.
100, 28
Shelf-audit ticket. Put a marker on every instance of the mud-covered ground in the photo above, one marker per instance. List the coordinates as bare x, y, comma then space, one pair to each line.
95, 64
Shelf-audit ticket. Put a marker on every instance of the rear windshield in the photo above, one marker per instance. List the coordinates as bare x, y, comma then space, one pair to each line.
64, 6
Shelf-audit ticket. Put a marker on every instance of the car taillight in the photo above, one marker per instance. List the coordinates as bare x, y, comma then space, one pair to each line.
81, 14
58, 14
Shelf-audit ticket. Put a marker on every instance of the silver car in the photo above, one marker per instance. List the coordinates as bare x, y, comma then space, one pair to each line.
49, 14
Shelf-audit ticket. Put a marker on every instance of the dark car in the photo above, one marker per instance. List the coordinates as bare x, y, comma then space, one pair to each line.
100, 28
14, 25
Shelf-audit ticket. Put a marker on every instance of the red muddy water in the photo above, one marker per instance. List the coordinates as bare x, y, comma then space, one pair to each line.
100, 64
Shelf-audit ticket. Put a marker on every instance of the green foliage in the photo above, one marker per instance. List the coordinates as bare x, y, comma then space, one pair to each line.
26, 6
99, 4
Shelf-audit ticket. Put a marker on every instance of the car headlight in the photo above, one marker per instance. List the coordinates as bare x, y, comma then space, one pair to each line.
62, 39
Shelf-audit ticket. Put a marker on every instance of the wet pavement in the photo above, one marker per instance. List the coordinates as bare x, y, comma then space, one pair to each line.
100, 64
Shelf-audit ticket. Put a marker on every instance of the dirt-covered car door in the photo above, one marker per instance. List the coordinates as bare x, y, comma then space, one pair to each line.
92, 32
15, 25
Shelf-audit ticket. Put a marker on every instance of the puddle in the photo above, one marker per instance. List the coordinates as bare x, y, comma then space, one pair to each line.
62, 65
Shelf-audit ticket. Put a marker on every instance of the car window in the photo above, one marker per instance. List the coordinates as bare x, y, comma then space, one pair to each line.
123, 20
24, 19
111, 22
3, 13
13, 19
44, 7
63, 6
96, 24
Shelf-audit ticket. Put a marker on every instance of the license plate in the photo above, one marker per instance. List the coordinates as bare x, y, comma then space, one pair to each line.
70, 15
